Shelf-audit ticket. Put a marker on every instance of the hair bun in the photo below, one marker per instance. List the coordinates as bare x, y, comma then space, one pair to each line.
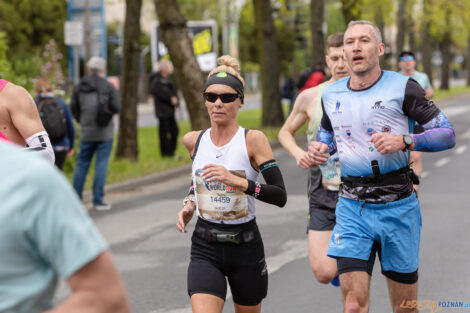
229, 61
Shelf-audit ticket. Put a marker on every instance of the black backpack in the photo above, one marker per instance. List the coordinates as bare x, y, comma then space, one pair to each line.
53, 119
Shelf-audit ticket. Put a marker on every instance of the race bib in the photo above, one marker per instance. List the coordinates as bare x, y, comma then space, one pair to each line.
218, 201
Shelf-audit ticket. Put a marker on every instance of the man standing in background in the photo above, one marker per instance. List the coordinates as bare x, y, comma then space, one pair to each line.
94, 102
165, 100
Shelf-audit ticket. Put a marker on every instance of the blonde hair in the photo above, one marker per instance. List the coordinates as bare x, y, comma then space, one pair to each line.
229, 65
42, 85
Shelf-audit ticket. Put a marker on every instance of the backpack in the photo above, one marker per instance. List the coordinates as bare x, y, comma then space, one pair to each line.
53, 119
303, 78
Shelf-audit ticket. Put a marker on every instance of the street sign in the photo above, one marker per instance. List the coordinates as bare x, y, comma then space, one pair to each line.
73, 31
203, 35
93, 13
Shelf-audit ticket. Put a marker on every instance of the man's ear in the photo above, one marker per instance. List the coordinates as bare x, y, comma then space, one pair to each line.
381, 49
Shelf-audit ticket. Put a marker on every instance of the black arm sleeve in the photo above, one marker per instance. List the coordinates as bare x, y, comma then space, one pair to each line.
415, 104
325, 120
274, 191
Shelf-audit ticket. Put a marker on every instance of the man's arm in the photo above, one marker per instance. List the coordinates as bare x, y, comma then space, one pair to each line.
25, 118
115, 100
296, 119
96, 288
439, 134
23, 111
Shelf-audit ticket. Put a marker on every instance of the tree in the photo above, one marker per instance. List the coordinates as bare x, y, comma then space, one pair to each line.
175, 37
272, 114
317, 16
127, 142
426, 40
444, 45
401, 26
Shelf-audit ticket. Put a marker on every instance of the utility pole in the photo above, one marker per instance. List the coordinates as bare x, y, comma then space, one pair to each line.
87, 31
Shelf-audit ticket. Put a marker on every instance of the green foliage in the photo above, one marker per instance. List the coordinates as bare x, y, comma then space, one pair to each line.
20, 69
248, 44
335, 18
30, 24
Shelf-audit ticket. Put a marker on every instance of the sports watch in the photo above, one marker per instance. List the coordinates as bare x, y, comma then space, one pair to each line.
408, 140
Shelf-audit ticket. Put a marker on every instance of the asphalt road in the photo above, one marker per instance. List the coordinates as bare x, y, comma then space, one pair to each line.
153, 257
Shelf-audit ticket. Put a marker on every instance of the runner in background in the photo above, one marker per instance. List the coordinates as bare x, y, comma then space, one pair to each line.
321, 194
407, 64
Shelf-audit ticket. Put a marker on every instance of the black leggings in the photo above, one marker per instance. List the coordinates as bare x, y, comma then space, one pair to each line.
168, 132
243, 265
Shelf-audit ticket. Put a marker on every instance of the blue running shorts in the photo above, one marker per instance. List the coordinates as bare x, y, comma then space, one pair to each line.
396, 226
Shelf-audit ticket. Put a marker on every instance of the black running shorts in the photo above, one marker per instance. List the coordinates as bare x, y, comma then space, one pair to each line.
243, 265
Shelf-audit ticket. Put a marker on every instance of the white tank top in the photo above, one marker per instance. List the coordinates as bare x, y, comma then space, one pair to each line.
217, 202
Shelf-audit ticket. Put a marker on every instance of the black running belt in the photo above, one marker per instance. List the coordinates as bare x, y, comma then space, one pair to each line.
401, 176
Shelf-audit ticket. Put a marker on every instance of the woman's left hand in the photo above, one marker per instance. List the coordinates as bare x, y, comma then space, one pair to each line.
212, 172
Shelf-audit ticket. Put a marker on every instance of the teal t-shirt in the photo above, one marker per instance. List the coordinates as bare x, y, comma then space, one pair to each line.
422, 79
45, 232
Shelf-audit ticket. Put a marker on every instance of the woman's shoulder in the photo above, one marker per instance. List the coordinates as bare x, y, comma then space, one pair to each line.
190, 138
255, 137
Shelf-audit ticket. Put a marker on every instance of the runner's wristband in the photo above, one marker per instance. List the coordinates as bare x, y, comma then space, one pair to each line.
273, 191
191, 189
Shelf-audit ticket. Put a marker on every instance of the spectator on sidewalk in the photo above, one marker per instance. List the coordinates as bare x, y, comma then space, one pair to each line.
45, 233
94, 103
57, 120
166, 100
312, 78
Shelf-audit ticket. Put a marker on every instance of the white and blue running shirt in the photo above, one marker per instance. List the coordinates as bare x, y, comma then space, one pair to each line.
390, 105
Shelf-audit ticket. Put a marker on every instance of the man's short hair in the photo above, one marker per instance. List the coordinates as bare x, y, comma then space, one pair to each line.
96, 64
335, 40
158, 66
405, 53
376, 30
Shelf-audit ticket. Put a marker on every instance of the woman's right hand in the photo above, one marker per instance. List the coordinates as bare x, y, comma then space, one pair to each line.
184, 216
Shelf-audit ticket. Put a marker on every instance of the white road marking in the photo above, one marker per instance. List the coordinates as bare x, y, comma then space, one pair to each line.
461, 149
442, 162
291, 251
424, 174
455, 110
465, 135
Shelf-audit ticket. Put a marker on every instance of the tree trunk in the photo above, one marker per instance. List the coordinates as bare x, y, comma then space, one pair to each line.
379, 21
351, 10
272, 114
411, 34
445, 44
127, 142
426, 41
468, 61
317, 16
175, 37
401, 27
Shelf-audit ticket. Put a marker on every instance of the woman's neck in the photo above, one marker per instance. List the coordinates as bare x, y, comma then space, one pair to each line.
222, 134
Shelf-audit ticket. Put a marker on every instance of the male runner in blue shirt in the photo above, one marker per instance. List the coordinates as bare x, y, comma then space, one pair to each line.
370, 116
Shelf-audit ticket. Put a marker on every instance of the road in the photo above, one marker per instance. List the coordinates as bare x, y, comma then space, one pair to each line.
153, 257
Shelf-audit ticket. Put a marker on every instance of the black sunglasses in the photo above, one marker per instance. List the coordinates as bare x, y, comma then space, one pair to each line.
225, 97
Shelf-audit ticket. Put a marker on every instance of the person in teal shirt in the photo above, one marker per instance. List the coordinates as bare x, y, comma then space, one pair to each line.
45, 235
407, 64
